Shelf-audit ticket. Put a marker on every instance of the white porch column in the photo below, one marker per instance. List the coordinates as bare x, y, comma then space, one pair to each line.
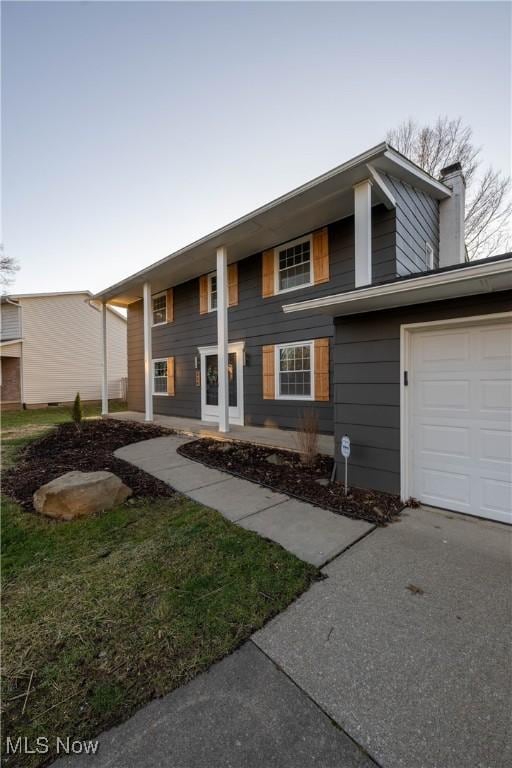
104, 370
222, 337
363, 232
148, 354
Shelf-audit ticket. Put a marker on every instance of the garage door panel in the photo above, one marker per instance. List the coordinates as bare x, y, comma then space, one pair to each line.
444, 394
460, 418
441, 348
437, 486
496, 394
496, 446
494, 346
496, 496
455, 441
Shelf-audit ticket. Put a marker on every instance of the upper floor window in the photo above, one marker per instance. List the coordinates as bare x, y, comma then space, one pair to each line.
159, 308
293, 265
212, 291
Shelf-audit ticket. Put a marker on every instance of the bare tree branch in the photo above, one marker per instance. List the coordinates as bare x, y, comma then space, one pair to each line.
488, 205
8, 269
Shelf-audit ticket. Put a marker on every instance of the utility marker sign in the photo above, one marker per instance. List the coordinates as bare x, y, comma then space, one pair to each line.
345, 452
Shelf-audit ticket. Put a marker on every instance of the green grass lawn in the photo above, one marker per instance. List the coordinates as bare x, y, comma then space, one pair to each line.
18, 428
44, 417
101, 615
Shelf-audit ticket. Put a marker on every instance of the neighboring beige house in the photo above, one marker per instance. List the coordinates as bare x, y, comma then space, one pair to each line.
50, 348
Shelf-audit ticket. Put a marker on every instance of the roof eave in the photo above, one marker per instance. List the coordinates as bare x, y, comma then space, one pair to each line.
383, 155
473, 279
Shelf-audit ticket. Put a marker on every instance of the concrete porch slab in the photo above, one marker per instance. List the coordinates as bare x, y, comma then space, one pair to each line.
237, 498
269, 436
313, 534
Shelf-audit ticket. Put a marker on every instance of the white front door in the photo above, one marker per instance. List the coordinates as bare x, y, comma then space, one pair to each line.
210, 383
459, 414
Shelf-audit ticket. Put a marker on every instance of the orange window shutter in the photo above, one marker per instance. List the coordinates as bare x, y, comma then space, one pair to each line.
269, 383
267, 287
170, 305
171, 387
321, 255
203, 294
321, 369
232, 285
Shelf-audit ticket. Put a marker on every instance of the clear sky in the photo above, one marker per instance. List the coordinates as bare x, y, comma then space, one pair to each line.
131, 129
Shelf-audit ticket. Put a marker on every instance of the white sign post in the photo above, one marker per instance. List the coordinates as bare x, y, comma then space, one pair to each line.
345, 452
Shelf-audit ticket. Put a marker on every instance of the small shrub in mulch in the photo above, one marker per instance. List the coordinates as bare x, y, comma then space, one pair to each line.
87, 449
285, 471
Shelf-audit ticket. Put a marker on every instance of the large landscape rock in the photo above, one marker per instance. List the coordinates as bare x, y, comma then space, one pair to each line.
77, 494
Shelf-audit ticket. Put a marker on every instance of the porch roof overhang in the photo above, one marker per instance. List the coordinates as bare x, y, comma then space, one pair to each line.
484, 276
324, 199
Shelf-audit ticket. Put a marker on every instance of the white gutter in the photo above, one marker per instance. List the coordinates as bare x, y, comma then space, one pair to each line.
352, 298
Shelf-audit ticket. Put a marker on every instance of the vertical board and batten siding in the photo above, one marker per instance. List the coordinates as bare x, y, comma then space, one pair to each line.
259, 322
62, 349
417, 222
10, 324
367, 382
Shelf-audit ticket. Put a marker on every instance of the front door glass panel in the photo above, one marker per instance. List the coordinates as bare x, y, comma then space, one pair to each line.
212, 380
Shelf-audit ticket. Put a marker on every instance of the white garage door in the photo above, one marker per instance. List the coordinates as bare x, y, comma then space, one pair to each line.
459, 399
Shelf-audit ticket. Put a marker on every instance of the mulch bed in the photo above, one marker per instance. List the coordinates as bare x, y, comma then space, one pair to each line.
88, 449
285, 471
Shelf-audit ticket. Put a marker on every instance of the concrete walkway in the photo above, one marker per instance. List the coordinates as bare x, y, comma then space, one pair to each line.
269, 436
312, 534
242, 713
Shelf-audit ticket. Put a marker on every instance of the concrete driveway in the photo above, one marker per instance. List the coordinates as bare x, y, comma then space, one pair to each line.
407, 644
401, 658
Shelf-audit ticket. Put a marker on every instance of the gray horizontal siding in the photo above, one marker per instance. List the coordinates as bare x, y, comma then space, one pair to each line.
367, 383
259, 321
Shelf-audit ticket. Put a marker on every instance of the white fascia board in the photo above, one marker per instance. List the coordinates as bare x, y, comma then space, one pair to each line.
10, 341
400, 287
418, 173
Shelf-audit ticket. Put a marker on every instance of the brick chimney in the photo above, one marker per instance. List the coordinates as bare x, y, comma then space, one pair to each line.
452, 248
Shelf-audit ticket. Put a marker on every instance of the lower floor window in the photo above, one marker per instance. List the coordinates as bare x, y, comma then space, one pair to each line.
160, 377
294, 366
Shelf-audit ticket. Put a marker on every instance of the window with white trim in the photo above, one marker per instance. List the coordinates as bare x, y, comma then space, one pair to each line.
160, 377
294, 370
293, 265
212, 291
429, 255
159, 308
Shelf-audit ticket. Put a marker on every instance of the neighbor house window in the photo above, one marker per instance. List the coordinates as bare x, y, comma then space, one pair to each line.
159, 308
294, 366
429, 256
293, 265
160, 377
212, 292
